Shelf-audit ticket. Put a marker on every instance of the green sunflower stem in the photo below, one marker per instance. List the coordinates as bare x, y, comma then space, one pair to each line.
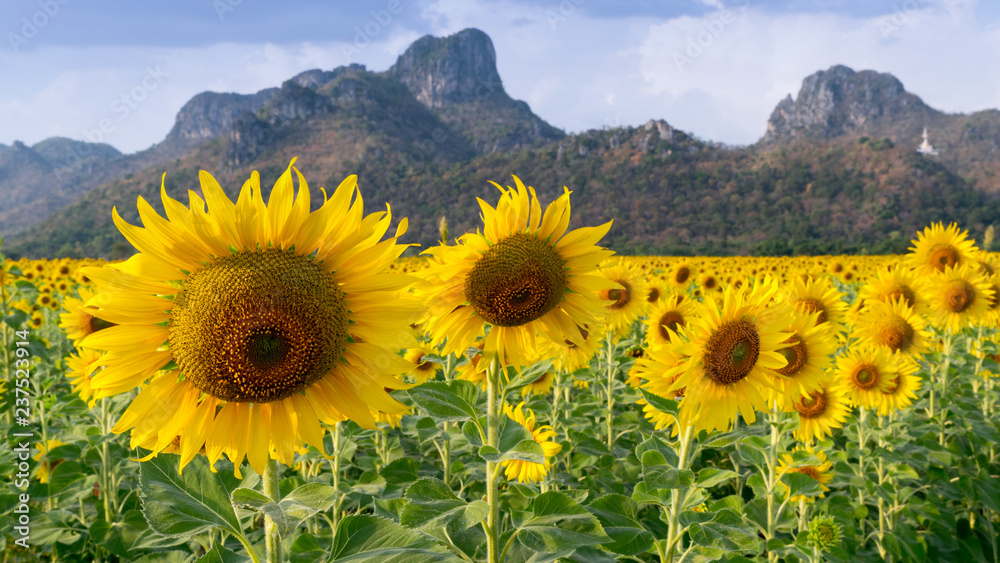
803, 515
493, 439
673, 531
336, 475
772, 478
862, 442
945, 365
273, 539
6, 345
610, 390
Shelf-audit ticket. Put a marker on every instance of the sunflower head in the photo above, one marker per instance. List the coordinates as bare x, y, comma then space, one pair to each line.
251, 315
524, 274
527, 471
937, 249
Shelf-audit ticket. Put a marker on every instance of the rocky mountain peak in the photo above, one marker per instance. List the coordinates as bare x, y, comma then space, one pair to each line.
446, 70
839, 101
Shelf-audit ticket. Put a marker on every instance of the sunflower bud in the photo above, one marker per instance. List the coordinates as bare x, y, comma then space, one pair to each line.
824, 533
443, 230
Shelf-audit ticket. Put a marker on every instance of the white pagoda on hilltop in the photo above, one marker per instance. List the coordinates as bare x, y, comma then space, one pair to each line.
925, 147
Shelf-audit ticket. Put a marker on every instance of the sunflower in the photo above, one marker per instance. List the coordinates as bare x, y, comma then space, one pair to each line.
524, 274
821, 473
681, 276
657, 372
902, 388
81, 370
898, 282
570, 356
474, 369
654, 292
709, 282
622, 304
672, 313
734, 354
938, 248
423, 369
894, 325
250, 324
45, 467
819, 296
820, 412
528, 471
79, 322
959, 296
541, 386
36, 320
809, 352
865, 372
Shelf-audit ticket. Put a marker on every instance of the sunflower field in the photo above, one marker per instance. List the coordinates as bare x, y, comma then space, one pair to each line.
273, 382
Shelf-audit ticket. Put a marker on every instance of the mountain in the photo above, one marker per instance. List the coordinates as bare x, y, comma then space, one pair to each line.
835, 172
457, 78
841, 103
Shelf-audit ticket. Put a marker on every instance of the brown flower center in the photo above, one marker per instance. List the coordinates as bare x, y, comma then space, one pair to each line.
669, 320
959, 296
732, 351
900, 292
894, 332
682, 275
943, 256
812, 406
653, 295
519, 279
811, 305
796, 354
619, 297
865, 376
258, 326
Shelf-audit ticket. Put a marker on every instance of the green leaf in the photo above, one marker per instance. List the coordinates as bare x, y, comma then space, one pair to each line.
307, 549
166, 557
254, 500
452, 401
220, 554
801, 484
726, 531
369, 483
558, 525
525, 450
121, 536
654, 443
471, 432
710, 477
753, 449
401, 471
434, 506
369, 539
188, 504
658, 475
619, 516
659, 403
428, 429
308, 499
527, 376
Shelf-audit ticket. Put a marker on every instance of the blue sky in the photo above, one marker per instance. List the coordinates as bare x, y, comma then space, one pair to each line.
715, 68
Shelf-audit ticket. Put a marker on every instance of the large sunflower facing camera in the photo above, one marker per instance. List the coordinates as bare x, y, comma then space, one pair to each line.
523, 275
248, 324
